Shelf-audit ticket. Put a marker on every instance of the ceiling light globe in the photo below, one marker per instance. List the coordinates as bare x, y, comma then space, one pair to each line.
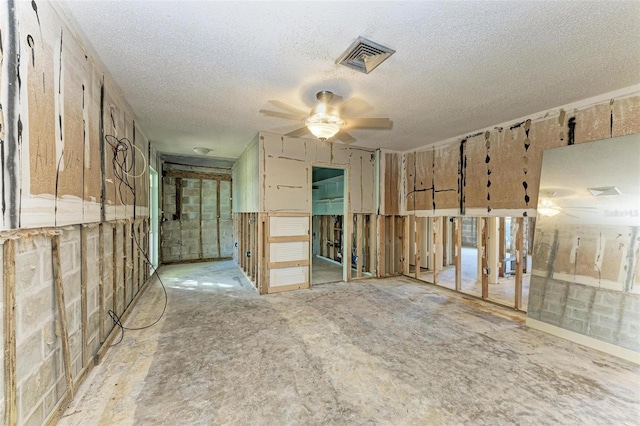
322, 130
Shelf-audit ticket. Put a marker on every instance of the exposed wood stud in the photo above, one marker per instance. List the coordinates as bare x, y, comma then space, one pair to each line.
417, 232
519, 261
114, 266
62, 312
485, 261
392, 245
9, 298
437, 247
501, 246
83, 294
458, 252
382, 236
359, 240
101, 313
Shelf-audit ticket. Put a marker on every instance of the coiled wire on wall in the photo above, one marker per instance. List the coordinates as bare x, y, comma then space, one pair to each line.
124, 170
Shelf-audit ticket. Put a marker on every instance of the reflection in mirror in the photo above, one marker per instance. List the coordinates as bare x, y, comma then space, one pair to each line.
585, 272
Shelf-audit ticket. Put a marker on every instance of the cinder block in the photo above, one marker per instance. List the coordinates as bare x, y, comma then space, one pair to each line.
29, 354
34, 310
36, 418
34, 387
601, 333
574, 325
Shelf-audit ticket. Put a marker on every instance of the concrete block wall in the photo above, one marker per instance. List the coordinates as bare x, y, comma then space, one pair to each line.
203, 228
469, 232
40, 372
607, 315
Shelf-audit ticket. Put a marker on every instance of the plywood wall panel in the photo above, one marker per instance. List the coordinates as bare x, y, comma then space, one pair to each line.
58, 117
499, 169
593, 124
446, 178
74, 77
287, 164
42, 131
476, 173
626, 116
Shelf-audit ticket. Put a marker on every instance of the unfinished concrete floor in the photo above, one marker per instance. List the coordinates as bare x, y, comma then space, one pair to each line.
390, 351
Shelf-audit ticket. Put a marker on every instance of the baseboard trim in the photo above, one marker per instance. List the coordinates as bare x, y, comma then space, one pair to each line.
581, 339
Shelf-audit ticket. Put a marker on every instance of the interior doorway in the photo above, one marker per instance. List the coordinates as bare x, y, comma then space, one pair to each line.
328, 225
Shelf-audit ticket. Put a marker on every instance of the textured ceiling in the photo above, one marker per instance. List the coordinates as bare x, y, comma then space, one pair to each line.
197, 73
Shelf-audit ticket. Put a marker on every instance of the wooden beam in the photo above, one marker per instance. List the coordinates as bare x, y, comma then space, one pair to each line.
9, 298
485, 261
359, 242
200, 245
406, 244
382, 237
217, 216
288, 264
445, 240
417, 240
84, 268
519, 256
101, 313
392, 245
458, 252
184, 174
125, 234
263, 286
347, 230
62, 312
289, 238
321, 241
501, 246
437, 247
114, 266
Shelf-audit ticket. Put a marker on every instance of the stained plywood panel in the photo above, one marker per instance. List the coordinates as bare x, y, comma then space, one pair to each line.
626, 116
391, 184
93, 168
476, 173
593, 123
410, 172
74, 76
42, 131
446, 177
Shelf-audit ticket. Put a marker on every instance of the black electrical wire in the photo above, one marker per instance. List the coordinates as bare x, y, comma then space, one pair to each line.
121, 170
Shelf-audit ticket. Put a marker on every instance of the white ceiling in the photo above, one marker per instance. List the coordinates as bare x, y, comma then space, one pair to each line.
197, 72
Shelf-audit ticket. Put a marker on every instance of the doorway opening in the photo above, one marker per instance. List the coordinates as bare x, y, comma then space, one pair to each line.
327, 225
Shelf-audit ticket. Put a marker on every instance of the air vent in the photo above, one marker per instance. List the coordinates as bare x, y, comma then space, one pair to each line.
364, 55
604, 190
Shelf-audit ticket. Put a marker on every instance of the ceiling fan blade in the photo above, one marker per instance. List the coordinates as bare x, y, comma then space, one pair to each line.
282, 115
289, 108
345, 137
369, 123
297, 133
355, 106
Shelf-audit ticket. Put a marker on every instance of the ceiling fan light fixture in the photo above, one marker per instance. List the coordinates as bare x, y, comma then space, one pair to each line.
323, 130
548, 208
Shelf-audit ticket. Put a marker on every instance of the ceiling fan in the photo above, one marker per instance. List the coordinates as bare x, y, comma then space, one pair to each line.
327, 119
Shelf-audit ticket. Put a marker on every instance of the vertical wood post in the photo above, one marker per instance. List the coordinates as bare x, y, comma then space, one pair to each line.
114, 266
359, 239
9, 298
393, 244
437, 247
485, 261
519, 256
417, 241
101, 313
382, 256
458, 252
83, 294
62, 311
501, 246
